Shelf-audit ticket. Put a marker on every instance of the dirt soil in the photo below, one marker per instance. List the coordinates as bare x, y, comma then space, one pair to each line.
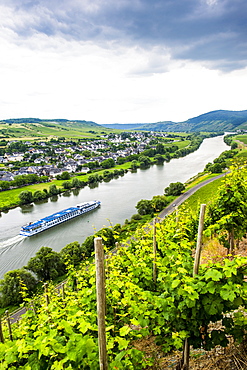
229, 358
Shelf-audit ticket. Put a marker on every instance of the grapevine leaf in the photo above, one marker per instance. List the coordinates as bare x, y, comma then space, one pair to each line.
122, 343
211, 287
227, 294
213, 274
175, 283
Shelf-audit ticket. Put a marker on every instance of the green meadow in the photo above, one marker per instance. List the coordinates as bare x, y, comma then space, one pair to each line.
203, 195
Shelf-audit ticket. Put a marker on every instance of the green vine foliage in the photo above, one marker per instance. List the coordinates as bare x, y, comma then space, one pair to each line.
63, 334
227, 213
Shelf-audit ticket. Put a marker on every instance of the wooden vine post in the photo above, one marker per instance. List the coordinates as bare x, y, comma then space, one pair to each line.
1, 332
186, 351
199, 240
101, 301
46, 294
63, 291
9, 325
154, 251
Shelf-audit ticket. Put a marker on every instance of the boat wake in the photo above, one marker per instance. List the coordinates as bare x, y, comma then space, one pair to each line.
15, 239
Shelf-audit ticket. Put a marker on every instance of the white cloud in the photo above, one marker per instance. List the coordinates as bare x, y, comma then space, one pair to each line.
91, 69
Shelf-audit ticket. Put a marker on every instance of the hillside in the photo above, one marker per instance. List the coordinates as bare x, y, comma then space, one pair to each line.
124, 126
35, 127
219, 120
215, 121
58, 121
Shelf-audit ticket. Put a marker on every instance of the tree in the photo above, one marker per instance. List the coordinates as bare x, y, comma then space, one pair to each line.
159, 202
134, 165
39, 195
144, 207
159, 159
144, 161
76, 183
121, 160
26, 197
53, 190
234, 145
32, 178
149, 152
107, 175
92, 178
175, 189
71, 254
108, 163
217, 167
160, 149
19, 180
65, 176
47, 264
67, 185
136, 217
4, 185
15, 285
88, 246
92, 165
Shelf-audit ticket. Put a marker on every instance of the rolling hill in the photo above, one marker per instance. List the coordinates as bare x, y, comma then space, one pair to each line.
215, 121
35, 127
219, 120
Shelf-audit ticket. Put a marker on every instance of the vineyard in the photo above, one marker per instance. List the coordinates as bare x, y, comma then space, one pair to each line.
149, 292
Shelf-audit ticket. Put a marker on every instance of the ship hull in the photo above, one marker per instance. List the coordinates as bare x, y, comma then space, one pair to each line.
58, 218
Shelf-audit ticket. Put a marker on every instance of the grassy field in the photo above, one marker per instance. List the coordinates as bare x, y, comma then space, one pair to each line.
180, 144
11, 197
203, 195
33, 131
242, 154
242, 138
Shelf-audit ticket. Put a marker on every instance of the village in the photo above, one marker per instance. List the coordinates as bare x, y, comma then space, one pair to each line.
53, 157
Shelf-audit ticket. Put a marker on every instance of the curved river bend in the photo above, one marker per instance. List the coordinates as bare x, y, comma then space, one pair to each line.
119, 198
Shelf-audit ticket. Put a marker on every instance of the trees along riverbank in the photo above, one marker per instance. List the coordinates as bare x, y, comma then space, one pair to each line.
40, 191
147, 209
175, 307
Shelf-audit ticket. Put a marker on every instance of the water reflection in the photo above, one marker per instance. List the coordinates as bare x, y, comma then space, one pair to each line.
66, 194
41, 201
54, 198
26, 208
93, 185
76, 192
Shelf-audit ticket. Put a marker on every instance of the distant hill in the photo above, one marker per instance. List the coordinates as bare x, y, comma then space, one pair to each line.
35, 127
123, 126
219, 120
58, 121
216, 121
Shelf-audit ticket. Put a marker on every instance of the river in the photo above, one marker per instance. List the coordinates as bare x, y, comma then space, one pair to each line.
118, 197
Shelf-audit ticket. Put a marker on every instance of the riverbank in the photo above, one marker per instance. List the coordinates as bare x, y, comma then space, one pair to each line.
130, 227
10, 199
127, 229
118, 198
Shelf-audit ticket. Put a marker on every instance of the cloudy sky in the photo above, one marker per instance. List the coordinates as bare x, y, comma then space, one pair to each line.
123, 61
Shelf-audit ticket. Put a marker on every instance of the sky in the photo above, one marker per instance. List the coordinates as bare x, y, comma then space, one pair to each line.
122, 61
